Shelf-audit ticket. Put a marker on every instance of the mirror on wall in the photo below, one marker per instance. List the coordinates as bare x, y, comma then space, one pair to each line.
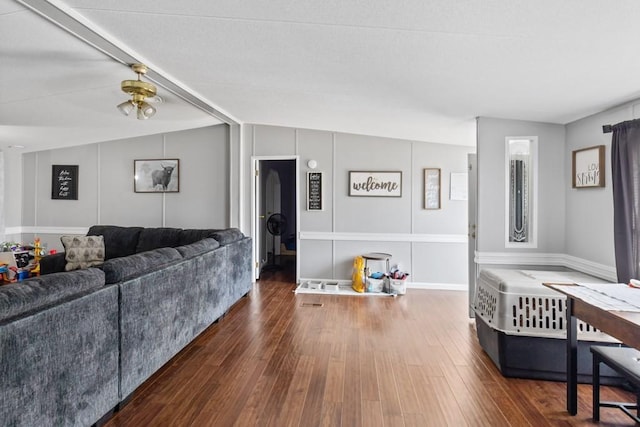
520, 197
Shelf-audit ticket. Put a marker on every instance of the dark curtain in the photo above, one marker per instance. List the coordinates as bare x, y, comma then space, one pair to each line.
625, 171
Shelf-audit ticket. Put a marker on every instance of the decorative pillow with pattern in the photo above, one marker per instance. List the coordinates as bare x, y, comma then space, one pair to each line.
83, 251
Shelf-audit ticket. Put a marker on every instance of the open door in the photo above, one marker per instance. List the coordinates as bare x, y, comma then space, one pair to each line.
275, 191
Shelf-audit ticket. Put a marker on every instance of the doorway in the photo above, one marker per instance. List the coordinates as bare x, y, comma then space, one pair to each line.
276, 215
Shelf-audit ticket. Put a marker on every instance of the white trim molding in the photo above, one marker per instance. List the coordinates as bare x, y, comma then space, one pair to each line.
549, 259
385, 237
46, 230
8, 231
592, 268
519, 258
462, 287
410, 285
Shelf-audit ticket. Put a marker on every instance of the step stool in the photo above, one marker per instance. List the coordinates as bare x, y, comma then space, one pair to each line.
626, 362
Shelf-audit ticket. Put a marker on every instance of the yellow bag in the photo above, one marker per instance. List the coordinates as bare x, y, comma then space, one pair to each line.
358, 274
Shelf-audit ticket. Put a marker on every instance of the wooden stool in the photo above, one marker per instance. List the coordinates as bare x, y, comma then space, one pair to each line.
626, 362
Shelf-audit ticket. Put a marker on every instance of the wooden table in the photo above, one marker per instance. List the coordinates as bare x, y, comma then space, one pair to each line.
623, 325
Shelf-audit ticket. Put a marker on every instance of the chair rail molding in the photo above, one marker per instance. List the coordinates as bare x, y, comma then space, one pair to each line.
385, 237
45, 230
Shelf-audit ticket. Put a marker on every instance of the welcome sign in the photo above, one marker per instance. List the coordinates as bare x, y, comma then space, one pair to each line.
375, 184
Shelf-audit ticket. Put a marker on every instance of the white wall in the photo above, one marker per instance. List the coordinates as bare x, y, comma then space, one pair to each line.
431, 245
105, 193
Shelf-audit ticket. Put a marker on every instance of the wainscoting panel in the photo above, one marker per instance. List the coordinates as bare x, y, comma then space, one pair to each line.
431, 259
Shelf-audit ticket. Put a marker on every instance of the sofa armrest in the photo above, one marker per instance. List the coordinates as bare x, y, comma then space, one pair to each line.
53, 263
227, 236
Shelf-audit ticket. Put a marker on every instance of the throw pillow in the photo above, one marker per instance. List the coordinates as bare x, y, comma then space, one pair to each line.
83, 251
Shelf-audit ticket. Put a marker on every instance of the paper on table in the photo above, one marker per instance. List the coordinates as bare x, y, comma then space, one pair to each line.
609, 296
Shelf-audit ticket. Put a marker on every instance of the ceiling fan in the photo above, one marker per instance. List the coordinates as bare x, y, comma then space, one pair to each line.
142, 94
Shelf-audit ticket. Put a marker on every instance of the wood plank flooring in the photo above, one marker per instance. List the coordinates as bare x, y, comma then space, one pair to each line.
277, 359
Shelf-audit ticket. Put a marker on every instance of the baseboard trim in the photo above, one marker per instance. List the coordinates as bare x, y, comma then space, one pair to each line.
593, 268
462, 287
602, 271
410, 285
519, 258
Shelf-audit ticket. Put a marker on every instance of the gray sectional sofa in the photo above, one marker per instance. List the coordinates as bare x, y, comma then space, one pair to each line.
74, 345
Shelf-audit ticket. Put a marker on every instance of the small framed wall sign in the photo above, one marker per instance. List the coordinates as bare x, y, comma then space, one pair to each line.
588, 167
459, 186
314, 191
64, 182
375, 184
156, 176
432, 188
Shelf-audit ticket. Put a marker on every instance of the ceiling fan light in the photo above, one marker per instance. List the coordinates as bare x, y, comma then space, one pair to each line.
126, 107
141, 115
146, 110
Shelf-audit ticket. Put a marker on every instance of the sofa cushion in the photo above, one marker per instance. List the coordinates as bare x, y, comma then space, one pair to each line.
42, 291
120, 269
54, 263
198, 248
189, 236
161, 237
82, 251
118, 241
230, 235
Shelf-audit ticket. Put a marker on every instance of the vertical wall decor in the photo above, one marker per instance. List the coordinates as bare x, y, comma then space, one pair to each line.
314, 191
64, 182
521, 183
432, 188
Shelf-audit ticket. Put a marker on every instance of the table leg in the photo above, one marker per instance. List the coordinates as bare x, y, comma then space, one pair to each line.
572, 360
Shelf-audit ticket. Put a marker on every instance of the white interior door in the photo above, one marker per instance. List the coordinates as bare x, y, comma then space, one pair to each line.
473, 216
258, 220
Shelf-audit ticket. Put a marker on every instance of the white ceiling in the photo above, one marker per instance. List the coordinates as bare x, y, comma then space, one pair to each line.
411, 69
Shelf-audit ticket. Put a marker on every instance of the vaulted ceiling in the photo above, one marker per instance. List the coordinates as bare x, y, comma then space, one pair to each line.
411, 69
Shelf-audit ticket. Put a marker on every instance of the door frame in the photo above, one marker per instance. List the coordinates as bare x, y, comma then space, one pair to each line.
255, 211
472, 200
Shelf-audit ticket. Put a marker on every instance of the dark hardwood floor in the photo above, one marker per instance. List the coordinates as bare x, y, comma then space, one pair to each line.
280, 359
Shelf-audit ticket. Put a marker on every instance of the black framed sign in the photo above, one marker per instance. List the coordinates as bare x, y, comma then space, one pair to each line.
314, 191
64, 182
